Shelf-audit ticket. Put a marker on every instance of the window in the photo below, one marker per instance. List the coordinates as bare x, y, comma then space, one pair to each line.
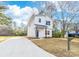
40, 20
47, 22
48, 32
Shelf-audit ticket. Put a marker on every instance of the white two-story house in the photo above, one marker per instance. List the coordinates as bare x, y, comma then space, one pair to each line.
39, 26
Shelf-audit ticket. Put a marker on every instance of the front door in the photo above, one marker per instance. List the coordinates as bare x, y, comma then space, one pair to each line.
37, 33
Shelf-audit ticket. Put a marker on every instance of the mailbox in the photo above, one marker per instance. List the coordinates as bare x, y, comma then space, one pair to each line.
73, 34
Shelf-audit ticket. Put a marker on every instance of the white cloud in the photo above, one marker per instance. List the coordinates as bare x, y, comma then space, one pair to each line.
27, 11
20, 14
15, 9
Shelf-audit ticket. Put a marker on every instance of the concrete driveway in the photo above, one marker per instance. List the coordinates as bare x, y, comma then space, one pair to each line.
21, 47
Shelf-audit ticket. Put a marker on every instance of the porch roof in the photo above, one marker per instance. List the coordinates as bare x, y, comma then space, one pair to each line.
40, 26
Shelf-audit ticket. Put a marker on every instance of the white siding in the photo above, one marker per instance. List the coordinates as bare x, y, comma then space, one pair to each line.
43, 21
41, 33
36, 21
32, 29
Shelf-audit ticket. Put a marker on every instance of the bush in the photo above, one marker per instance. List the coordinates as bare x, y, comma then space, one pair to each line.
57, 34
19, 33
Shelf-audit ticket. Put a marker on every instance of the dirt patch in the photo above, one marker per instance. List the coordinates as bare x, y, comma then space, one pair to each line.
58, 46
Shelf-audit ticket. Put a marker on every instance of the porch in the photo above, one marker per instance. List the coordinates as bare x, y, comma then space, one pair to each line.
40, 31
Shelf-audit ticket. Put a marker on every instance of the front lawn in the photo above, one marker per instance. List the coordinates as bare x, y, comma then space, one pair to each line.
58, 46
3, 38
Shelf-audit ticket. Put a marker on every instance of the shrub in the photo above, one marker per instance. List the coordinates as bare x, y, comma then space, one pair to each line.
19, 32
57, 34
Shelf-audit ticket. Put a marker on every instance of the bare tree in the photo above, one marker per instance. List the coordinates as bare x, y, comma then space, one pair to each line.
48, 8
69, 11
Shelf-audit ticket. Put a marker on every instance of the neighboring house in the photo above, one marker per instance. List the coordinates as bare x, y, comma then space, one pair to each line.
40, 26
73, 27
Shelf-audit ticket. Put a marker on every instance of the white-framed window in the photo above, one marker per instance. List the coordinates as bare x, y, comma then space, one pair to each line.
40, 20
48, 32
47, 22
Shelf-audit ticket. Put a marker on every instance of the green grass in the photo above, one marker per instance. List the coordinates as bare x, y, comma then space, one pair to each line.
3, 38
7, 37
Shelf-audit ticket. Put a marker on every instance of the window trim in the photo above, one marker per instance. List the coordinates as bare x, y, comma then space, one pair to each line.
48, 32
39, 20
47, 22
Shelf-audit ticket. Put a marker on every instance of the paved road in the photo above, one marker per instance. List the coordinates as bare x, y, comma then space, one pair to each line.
21, 47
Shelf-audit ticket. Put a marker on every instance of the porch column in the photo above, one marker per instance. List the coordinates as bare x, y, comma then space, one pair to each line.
45, 32
36, 32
